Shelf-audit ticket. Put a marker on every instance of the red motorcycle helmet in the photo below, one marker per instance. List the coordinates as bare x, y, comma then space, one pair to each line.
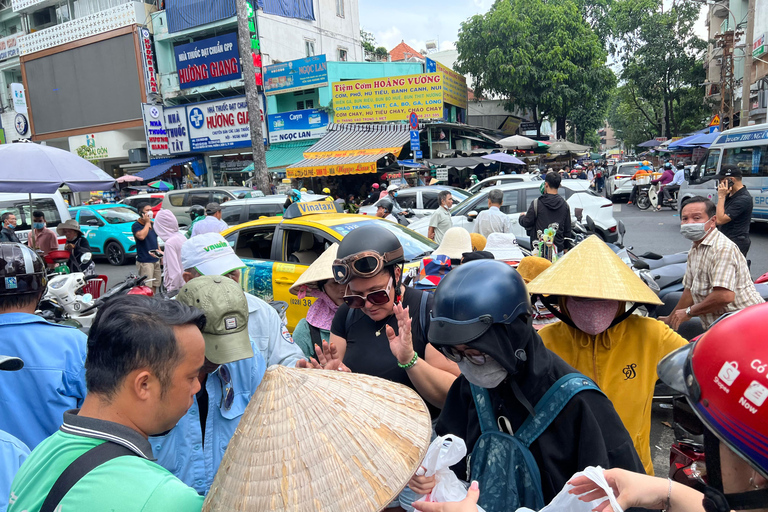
141, 290
724, 376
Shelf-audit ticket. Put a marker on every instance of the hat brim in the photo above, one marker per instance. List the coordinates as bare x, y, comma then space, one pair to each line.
11, 364
228, 348
61, 227
221, 265
320, 270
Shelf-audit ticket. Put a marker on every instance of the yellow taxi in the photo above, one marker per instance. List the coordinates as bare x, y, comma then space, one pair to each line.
277, 250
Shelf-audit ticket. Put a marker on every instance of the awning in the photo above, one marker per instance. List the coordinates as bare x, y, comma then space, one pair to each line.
184, 14
283, 154
349, 140
156, 170
336, 166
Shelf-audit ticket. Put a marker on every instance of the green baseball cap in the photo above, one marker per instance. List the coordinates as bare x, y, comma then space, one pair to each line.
226, 317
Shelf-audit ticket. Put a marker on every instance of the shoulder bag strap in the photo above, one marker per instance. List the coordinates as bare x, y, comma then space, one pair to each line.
314, 334
484, 409
80, 467
550, 405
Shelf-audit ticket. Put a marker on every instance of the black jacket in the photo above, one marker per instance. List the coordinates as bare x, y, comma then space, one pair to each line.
587, 432
81, 246
8, 235
550, 208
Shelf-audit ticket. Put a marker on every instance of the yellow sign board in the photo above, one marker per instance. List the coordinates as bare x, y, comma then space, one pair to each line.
454, 84
388, 99
715, 120
317, 207
330, 170
353, 152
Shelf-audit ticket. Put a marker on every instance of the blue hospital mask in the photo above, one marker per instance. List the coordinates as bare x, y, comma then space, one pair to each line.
38, 225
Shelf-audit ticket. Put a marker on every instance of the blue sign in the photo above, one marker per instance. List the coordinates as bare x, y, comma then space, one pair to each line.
297, 125
418, 154
742, 137
295, 75
415, 144
413, 120
209, 61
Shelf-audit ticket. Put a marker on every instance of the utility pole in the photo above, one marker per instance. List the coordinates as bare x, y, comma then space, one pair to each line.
726, 41
250, 61
746, 82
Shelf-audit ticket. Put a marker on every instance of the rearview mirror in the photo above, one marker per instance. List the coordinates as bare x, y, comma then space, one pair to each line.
579, 212
86, 258
472, 215
92, 222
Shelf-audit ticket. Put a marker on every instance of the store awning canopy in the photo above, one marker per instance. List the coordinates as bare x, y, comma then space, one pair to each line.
285, 154
459, 162
350, 140
156, 170
649, 144
338, 166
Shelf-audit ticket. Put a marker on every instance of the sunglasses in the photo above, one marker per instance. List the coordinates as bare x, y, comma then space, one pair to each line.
227, 393
377, 298
456, 356
363, 264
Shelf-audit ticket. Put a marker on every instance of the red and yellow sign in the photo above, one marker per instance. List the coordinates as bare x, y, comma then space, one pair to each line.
353, 152
388, 99
715, 120
331, 170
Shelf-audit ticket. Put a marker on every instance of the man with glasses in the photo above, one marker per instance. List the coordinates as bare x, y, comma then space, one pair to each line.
233, 368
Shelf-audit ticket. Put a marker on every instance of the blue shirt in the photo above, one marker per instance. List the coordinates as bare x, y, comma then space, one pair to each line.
34, 399
679, 178
182, 450
12, 454
144, 246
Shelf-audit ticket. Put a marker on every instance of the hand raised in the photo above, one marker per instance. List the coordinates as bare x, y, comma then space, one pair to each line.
401, 344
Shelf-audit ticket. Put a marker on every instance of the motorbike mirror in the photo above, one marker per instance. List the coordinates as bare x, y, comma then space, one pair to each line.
591, 224
687, 173
641, 264
472, 215
86, 258
622, 228
579, 212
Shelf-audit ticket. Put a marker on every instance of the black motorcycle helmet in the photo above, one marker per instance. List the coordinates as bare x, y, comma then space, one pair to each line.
368, 238
196, 211
668, 165
386, 204
22, 270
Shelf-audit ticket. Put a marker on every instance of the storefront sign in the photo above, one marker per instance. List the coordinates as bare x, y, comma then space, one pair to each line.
388, 99
743, 137
154, 130
209, 61
758, 46
100, 145
331, 170
148, 60
454, 84
176, 129
295, 75
19, 98
221, 124
9, 46
297, 125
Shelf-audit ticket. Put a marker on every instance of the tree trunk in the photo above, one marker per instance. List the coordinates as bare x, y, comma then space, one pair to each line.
561, 131
253, 97
537, 121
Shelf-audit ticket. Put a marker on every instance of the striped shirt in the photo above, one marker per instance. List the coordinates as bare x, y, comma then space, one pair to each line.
716, 262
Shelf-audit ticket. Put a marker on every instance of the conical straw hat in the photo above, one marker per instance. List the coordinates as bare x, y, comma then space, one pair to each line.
592, 270
319, 270
321, 440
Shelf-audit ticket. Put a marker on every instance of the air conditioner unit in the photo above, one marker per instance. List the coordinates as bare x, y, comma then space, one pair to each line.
762, 99
137, 156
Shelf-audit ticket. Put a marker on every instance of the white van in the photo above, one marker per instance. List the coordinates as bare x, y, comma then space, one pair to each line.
52, 205
746, 148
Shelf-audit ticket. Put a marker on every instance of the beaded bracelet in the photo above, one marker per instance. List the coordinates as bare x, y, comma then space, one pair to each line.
409, 364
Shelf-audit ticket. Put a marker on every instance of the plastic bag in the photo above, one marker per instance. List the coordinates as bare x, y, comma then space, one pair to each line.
444, 452
565, 502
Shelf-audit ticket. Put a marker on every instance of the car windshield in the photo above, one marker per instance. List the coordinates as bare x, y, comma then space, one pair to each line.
458, 195
119, 215
414, 245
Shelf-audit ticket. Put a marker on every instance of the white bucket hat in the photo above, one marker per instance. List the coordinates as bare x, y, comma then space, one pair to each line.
456, 241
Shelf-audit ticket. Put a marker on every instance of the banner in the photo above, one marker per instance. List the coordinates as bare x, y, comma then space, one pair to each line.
331, 170
154, 130
296, 75
9, 46
221, 124
209, 61
297, 125
454, 84
19, 98
148, 62
388, 99
176, 129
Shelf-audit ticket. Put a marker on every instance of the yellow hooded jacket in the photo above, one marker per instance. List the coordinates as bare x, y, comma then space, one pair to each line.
622, 361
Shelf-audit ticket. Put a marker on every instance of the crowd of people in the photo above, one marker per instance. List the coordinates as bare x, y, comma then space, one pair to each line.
138, 414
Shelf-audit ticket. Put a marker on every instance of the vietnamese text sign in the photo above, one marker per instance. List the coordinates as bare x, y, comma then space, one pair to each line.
176, 129
441, 175
758, 46
743, 137
154, 130
454, 84
297, 125
220, 124
148, 60
9, 46
209, 61
388, 99
330, 170
295, 75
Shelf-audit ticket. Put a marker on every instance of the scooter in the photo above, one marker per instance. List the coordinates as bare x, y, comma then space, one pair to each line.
649, 198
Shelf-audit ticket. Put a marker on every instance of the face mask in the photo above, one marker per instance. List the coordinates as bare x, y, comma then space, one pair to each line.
10, 226
592, 316
695, 231
487, 375
38, 225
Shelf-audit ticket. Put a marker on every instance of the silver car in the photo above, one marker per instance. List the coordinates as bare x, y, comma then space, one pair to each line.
618, 185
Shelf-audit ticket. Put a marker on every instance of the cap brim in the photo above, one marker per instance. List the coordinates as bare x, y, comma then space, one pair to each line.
11, 364
228, 348
221, 265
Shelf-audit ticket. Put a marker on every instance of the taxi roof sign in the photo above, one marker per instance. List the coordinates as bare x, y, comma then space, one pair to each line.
715, 120
297, 210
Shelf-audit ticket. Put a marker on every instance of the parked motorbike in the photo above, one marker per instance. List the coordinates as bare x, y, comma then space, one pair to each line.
650, 196
57, 262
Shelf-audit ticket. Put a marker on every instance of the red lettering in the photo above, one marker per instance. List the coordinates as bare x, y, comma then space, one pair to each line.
220, 120
242, 117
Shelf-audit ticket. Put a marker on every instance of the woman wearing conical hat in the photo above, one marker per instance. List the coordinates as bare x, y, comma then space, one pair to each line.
599, 335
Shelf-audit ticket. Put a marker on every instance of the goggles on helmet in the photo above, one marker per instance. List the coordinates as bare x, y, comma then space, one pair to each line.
363, 264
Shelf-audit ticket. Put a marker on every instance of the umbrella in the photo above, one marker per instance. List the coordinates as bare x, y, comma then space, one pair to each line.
518, 142
649, 144
29, 167
503, 157
563, 146
161, 185
128, 178
703, 139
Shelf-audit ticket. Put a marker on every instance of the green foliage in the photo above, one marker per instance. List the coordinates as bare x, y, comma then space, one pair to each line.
368, 40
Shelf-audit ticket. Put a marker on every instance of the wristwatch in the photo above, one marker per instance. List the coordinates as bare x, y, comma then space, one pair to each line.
688, 311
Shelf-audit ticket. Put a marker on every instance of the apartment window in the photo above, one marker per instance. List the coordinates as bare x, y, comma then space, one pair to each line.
309, 46
340, 8
301, 105
342, 55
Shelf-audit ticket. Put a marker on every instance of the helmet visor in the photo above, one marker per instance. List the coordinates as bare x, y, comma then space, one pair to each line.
446, 331
676, 371
363, 264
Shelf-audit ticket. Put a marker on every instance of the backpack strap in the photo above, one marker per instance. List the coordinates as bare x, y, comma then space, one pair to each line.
80, 467
484, 410
535, 208
315, 335
550, 405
